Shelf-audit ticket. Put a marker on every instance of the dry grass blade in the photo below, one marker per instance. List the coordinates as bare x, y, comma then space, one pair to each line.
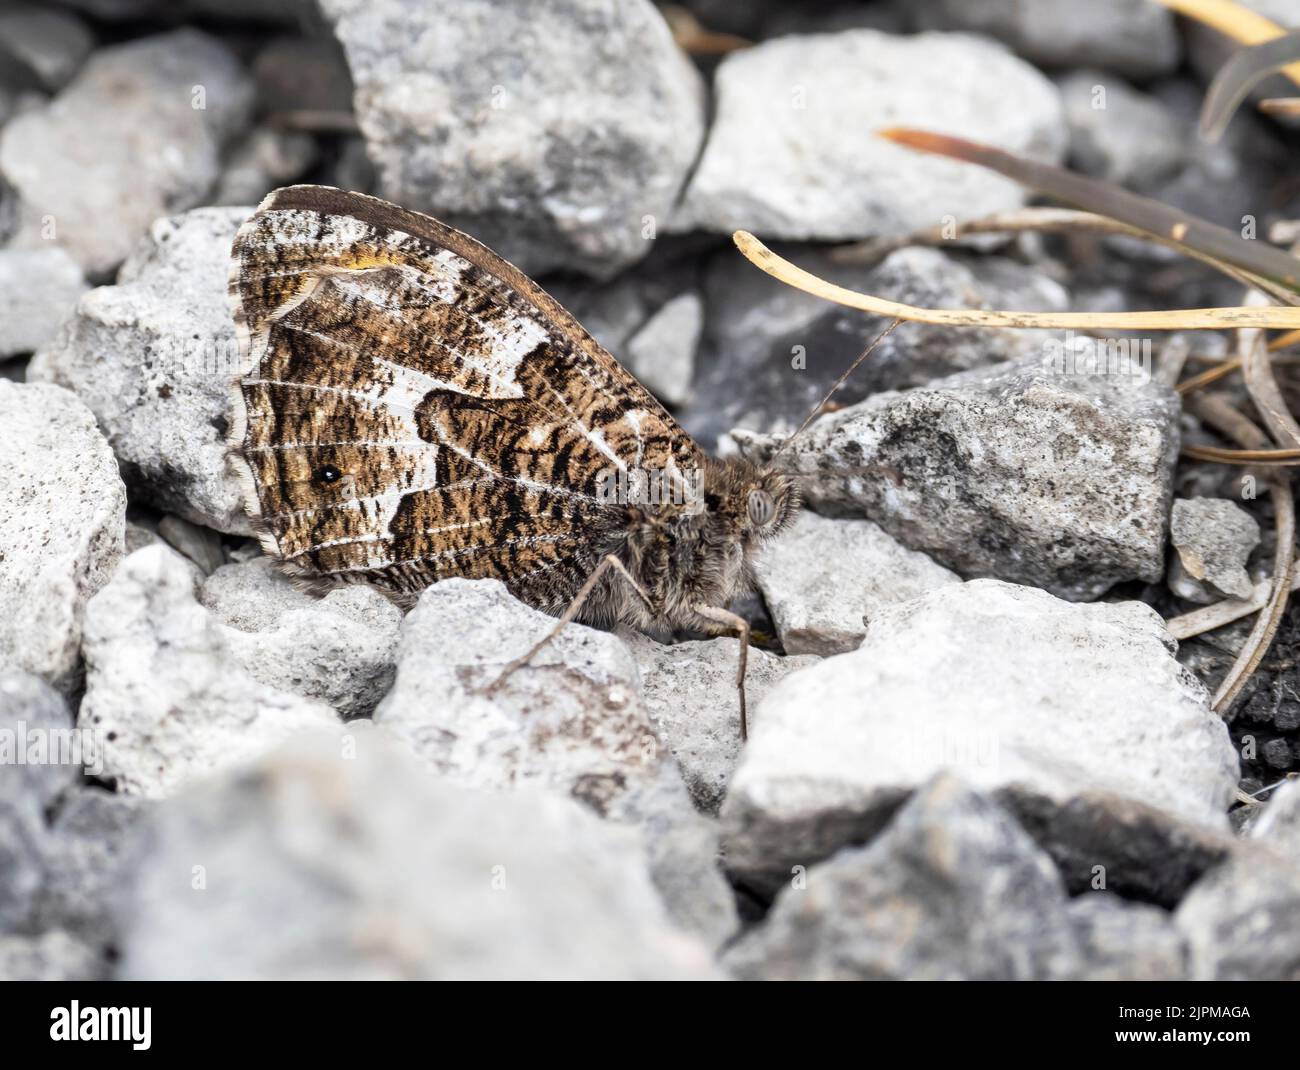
1285, 107
1243, 25
1180, 319
1210, 375
1208, 618
1282, 426
1236, 78
1047, 221
1110, 200
1284, 340
1266, 458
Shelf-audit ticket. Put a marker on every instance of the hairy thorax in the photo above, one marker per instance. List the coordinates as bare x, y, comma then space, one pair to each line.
684, 555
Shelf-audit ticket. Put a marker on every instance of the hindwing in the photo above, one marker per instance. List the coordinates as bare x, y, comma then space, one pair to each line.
411, 407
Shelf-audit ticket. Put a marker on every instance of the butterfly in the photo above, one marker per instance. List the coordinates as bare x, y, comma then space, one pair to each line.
411, 407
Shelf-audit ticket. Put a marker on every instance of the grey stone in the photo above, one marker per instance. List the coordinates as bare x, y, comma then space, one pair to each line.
323, 863
340, 649
1140, 849
1123, 941
154, 357
302, 74
1133, 37
662, 353
550, 132
51, 956
39, 289
35, 723
266, 158
1055, 472
113, 10
31, 713
689, 694
771, 353
823, 580
131, 119
1214, 538
1046, 702
22, 835
62, 526
163, 689
571, 721
1240, 918
952, 889
1118, 133
287, 12
87, 855
777, 160
41, 48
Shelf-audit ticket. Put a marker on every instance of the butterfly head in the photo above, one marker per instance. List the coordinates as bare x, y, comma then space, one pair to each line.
748, 505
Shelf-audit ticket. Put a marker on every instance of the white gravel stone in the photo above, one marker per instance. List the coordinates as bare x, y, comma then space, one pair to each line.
689, 693
1016, 691
127, 141
62, 526
792, 152
154, 357
340, 649
39, 289
558, 132
1055, 471
319, 863
165, 693
1214, 538
51, 956
823, 581
572, 722
1240, 918
953, 889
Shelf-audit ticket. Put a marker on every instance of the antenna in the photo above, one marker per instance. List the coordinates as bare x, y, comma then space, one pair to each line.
838, 383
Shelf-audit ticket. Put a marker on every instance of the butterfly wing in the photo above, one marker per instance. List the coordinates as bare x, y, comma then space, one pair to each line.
411, 407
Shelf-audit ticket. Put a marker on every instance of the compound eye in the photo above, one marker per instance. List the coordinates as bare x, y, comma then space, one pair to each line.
761, 508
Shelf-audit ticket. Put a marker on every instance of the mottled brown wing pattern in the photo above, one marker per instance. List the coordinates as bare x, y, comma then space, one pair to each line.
411, 407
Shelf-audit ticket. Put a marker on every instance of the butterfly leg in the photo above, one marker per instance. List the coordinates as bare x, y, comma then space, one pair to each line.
740, 625
608, 562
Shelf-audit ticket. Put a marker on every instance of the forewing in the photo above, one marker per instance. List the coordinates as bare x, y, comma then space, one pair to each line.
410, 406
